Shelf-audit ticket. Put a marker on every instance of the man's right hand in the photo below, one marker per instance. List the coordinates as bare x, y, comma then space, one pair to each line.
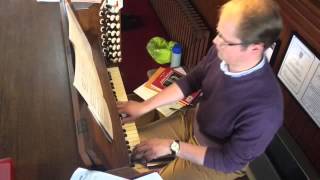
132, 110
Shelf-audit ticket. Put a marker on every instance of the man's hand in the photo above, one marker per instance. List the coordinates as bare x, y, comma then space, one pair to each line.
131, 109
152, 149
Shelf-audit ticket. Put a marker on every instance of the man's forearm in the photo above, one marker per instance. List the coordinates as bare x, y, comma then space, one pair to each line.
169, 95
193, 153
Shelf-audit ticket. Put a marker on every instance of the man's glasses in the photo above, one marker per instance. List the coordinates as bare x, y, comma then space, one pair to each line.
226, 42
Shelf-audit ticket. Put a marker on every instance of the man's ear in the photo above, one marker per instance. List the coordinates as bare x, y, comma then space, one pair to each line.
257, 47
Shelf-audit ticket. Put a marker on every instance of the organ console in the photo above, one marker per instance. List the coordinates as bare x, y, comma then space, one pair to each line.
94, 148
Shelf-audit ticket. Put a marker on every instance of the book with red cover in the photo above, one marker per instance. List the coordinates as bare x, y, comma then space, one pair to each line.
6, 169
163, 77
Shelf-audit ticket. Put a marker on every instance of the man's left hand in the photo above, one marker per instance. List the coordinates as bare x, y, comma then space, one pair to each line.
152, 149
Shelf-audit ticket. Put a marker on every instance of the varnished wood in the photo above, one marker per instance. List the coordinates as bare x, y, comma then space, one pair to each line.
36, 119
116, 152
80, 124
300, 17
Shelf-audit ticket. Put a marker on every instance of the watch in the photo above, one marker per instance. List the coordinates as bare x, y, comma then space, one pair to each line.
175, 147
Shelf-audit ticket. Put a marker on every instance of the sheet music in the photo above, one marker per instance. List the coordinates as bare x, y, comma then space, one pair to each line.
86, 79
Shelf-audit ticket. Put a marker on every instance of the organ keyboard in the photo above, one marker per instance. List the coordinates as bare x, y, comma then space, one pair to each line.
130, 129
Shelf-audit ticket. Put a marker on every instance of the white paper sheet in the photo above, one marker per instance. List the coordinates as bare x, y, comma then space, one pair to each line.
86, 79
85, 174
152, 176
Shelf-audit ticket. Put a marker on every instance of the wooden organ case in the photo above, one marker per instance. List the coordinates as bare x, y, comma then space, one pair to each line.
94, 148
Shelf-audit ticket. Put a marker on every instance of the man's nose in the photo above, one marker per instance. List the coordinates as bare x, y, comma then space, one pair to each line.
216, 40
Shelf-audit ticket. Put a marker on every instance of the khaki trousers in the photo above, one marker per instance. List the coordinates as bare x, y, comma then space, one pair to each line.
179, 126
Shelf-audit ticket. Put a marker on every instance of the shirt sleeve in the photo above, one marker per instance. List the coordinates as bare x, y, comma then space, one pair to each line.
192, 81
249, 141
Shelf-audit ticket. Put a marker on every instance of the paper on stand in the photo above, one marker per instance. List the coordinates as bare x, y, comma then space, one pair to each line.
86, 78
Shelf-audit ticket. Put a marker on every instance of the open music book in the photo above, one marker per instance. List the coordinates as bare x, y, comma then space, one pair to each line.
86, 78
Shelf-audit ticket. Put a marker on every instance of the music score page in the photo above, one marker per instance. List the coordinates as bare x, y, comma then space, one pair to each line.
86, 78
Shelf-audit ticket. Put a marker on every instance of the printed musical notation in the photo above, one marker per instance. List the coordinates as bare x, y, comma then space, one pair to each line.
86, 78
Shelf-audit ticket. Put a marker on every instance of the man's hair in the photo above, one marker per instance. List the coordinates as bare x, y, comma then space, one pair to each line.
260, 20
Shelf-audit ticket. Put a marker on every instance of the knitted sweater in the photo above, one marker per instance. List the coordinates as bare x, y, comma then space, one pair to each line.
241, 113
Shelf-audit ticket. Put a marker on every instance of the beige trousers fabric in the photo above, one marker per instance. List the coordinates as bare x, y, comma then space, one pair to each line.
179, 126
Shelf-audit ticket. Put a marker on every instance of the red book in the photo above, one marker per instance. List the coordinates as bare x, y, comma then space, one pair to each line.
164, 77
6, 169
